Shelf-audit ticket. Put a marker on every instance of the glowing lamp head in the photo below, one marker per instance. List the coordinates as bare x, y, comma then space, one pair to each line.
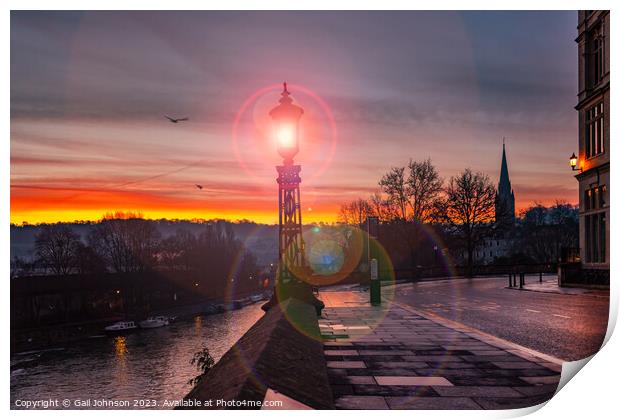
573, 161
286, 122
286, 135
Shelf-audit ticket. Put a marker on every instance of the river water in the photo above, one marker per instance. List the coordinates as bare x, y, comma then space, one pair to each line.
151, 365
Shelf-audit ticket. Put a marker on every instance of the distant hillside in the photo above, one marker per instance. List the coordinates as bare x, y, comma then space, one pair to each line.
262, 240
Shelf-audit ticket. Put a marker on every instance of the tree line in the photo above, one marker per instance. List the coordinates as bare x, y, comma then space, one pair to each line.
414, 198
127, 243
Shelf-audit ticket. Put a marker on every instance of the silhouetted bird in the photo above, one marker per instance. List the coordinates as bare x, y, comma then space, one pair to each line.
176, 120
199, 186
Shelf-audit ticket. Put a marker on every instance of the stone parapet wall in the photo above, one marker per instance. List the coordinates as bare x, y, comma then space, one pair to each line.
283, 351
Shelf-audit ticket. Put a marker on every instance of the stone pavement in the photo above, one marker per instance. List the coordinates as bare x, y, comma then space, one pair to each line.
391, 357
550, 285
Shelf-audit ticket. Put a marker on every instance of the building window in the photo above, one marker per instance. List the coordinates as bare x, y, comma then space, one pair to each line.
594, 198
595, 56
595, 224
595, 237
594, 130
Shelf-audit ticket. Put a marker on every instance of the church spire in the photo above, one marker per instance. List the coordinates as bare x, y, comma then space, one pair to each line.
504, 178
505, 199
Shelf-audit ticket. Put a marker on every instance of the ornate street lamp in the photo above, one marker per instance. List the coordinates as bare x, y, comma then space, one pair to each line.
286, 118
293, 272
572, 161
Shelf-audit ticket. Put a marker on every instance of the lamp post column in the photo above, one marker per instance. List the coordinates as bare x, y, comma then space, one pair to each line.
291, 253
293, 273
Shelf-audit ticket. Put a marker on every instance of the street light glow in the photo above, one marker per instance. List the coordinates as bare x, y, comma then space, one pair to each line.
286, 136
573, 162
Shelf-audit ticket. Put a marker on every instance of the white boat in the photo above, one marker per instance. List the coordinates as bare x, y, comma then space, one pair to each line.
121, 327
154, 322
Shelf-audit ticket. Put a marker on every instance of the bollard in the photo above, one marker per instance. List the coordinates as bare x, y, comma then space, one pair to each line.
375, 283
509, 280
521, 280
540, 277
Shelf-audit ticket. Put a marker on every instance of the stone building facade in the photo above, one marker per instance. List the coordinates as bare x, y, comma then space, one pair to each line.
593, 160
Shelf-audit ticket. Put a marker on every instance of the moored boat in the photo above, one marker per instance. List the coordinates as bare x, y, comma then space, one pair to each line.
121, 327
154, 322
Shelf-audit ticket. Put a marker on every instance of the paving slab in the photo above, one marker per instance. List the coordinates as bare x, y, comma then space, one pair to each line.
432, 403
346, 365
341, 353
541, 380
361, 380
395, 390
478, 391
511, 403
412, 380
361, 402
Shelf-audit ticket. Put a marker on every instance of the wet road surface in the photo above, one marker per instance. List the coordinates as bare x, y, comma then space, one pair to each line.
567, 326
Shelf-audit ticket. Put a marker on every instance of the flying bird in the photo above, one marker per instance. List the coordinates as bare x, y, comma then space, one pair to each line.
176, 120
199, 186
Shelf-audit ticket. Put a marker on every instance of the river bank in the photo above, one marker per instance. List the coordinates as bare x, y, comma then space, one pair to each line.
59, 335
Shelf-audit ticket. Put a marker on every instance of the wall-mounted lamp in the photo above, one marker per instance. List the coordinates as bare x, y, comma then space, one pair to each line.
573, 163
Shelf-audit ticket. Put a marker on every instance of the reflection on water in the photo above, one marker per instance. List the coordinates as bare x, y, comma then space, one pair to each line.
120, 344
198, 325
120, 347
147, 364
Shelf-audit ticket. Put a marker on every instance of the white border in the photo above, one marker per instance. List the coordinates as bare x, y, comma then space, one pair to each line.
591, 395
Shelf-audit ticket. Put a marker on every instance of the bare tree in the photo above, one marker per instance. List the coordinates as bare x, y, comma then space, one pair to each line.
216, 250
177, 251
55, 246
21, 267
424, 187
395, 187
469, 207
382, 208
355, 212
88, 260
127, 241
414, 193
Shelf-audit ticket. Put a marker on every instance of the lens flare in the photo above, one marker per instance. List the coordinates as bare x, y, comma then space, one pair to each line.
326, 257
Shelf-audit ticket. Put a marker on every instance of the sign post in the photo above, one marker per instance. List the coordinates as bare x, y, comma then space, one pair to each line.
375, 283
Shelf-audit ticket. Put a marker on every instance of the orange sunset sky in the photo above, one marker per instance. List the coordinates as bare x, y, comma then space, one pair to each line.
89, 92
